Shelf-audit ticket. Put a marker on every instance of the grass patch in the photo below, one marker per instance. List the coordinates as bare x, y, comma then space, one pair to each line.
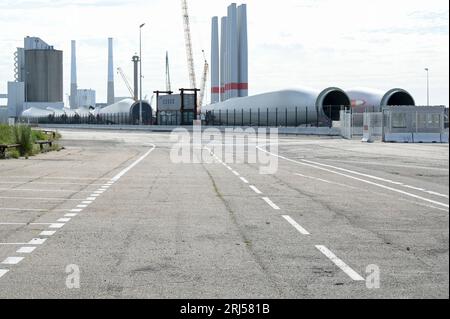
26, 138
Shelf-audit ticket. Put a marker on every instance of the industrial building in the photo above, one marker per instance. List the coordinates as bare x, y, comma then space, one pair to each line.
38, 78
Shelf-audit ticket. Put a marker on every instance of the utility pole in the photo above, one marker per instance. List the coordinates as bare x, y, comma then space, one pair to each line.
140, 71
428, 86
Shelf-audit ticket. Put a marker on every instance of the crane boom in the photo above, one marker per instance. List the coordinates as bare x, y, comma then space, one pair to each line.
130, 89
203, 83
189, 52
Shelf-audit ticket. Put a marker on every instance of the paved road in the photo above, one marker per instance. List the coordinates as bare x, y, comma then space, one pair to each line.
138, 225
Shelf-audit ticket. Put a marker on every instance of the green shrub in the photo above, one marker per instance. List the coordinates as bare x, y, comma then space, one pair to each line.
14, 154
39, 136
23, 136
6, 134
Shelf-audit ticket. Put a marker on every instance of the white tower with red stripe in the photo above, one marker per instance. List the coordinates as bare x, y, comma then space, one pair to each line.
229, 76
215, 70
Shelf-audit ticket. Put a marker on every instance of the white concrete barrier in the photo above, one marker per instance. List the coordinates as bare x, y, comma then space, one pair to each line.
427, 137
398, 138
314, 131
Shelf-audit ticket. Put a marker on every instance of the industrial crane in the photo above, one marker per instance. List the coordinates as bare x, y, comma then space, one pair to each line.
189, 53
204, 80
130, 89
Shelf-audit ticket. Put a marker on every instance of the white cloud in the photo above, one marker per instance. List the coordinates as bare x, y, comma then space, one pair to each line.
318, 43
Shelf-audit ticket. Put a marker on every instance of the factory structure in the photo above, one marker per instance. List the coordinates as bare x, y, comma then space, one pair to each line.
37, 89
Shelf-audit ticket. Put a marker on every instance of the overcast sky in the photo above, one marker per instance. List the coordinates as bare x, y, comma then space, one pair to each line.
315, 43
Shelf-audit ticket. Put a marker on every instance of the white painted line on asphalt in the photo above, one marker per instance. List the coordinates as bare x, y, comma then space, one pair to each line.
71, 215
77, 210
63, 178
296, 225
25, 250
63, 220
47, 233
358, 179
366, 175
236, 173
95, 195
437, 194
40, 183
325, 181
99, 192
41, 190
37, 241
122, 173
3, 272
82, 206
415, 188
57, 226
32, 210
244, 180
271, 204
91, 198
338, 262
23, 224
12, 260
87, 202
25, 209
257, 191
41, 199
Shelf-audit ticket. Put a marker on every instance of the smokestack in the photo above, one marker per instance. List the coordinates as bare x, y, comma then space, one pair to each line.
136, 61
223, 57
243, 51
73, 77
215, 76
232, 50
110, 73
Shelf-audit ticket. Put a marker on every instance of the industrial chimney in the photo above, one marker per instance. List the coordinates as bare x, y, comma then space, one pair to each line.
243, 51
215, 76
110, 99
73, 77
223, 57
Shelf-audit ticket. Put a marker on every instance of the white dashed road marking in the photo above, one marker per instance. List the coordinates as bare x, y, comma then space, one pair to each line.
244, 180
25, 250
12, 260
338, 262
271, 204
47, 233
57, 225
3, 272
296, 225
257, 191
37, 241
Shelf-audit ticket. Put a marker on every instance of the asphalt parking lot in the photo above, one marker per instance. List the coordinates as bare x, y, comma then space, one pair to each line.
336, 219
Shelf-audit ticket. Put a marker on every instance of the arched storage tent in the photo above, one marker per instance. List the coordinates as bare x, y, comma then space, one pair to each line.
291, 107
130, 108
366, 98
34, 112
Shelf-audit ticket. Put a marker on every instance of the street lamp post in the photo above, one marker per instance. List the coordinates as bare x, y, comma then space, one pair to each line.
428, 86
140, 71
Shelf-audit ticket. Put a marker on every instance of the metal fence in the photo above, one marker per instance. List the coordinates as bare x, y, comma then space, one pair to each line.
415, 124
89, 119
273, 117
397, 124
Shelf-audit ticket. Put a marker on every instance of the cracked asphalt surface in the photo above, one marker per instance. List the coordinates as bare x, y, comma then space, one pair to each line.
197, 230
